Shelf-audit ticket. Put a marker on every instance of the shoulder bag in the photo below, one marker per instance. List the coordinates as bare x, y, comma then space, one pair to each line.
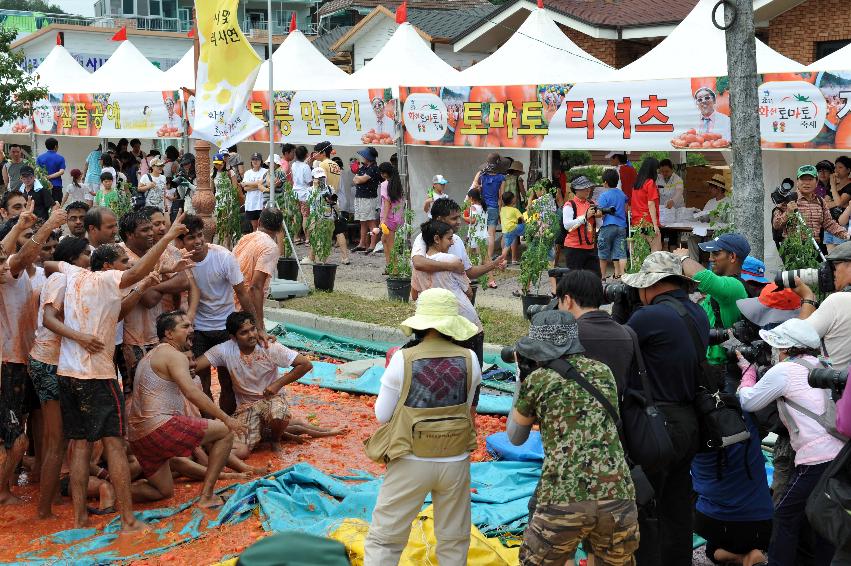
829, 505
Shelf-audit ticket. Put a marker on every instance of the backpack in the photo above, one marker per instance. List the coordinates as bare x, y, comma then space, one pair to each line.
829, 504
827, 419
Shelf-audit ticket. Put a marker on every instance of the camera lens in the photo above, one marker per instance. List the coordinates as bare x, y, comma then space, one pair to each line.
827, 378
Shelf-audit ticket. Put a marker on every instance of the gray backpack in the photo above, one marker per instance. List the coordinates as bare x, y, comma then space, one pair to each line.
827, 419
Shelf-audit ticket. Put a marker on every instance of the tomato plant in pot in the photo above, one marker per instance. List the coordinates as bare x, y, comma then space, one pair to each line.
540, 236
288, 204
399, 267
321, 230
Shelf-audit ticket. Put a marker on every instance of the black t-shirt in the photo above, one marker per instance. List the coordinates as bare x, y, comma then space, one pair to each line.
370, 188
607, 341
666, 345
43, 201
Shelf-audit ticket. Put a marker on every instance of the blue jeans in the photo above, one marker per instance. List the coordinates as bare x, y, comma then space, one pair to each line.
511, 237
493, 216
831, 239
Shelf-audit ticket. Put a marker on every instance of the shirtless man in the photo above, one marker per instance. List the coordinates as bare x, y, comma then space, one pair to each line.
261, 403
160, 431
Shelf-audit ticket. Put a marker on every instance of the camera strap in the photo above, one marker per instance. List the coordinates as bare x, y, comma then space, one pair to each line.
703, 371
640, 367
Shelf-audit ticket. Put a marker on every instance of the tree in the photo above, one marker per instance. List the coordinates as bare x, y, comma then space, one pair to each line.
18, 89
31, 6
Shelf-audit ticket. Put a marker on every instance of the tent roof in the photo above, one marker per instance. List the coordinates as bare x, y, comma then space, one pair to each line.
696, 48
836, 61
181, 74
127, 70
298, 65
537, 53
60, 72
405, 60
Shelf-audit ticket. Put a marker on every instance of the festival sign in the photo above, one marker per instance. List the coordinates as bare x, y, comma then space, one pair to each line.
114, 115
344, 117
797, 110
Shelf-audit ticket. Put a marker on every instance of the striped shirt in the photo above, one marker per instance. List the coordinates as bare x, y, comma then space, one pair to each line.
815, 214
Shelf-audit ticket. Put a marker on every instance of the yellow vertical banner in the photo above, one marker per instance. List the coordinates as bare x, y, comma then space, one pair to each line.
227, 69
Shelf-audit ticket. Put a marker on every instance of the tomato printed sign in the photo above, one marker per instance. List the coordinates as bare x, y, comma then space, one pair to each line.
791, 111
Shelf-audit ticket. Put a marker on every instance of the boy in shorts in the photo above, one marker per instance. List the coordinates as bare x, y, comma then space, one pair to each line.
611, 241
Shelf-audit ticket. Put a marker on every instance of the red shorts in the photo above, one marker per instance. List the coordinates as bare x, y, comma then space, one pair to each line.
179, 436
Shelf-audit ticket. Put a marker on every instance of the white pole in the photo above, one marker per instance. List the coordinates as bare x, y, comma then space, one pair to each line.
271, 114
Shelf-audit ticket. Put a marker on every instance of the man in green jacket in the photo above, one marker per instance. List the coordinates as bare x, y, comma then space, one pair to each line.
723, 286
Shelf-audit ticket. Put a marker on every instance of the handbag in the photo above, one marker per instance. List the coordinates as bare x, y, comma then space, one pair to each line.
644, 492
829, 505
719, 414
646, 436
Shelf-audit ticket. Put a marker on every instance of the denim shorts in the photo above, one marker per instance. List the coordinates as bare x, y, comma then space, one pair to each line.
831, 239
511, 237
493, 216
611, 242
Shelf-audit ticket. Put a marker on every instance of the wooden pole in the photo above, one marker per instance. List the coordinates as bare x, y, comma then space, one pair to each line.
203, 199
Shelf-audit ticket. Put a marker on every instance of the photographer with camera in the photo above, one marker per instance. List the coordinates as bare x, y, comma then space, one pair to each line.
673, 365
796, 344
723, 286
812, 208
579, 217
585, 492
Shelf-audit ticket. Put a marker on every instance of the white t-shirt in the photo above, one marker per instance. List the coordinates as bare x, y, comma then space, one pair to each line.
457, 249
216, 276
253, 373
832, 321
254, 199
391, 389
302, 180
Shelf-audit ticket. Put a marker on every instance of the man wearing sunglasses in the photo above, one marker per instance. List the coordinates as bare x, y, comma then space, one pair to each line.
710, 119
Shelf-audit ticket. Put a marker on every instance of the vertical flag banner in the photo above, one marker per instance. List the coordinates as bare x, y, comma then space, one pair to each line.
227, 69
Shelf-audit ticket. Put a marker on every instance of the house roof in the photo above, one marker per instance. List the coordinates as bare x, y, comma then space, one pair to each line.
324, 42
624, 13
337, 5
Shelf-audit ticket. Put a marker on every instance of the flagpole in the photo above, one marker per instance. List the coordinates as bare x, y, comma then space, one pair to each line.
272, 203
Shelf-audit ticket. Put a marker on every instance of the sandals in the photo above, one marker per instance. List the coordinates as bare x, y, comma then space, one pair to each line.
358, 249
95, 511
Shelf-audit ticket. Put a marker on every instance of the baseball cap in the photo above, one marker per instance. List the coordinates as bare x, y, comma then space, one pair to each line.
438, 180
614, 153
732, 242
795, 332
806, 170
26, 170
842, 252
322, 146
368, 153
753, 269
220, 157
318, 172
581, 182
773, 306
825, 164
257, 156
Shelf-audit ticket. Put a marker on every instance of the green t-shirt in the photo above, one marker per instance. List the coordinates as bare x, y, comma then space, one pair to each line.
105, 199
583, 457
726, 291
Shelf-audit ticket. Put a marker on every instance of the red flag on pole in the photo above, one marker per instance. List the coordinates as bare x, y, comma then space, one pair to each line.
293, 26
191, 33
402, 13
120, 35
540, 3
58, 38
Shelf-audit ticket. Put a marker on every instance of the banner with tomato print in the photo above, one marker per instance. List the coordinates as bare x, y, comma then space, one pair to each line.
344, 117
797, 110
140, 115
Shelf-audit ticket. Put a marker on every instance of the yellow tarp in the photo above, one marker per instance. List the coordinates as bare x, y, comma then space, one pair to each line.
421, 544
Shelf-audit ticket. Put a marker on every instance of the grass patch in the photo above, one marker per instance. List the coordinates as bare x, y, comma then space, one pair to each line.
500, 327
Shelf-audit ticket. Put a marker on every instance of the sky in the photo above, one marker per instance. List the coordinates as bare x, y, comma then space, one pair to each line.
82, 7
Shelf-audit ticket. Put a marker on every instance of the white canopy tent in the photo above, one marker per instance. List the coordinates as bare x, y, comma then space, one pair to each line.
538, 39
181, 74
298, 65
127, 70
696, 48
837, 61
60, 72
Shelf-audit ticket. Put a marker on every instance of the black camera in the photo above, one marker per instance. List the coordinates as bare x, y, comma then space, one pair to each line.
757, 352
606, 209
718, 336
535, 309
828, 378
525, 366
785, 192
624, 300
820, 278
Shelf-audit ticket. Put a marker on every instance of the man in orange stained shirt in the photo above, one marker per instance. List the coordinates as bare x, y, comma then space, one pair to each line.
257, 254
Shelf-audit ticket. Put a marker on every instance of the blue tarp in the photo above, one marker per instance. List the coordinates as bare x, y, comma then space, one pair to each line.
502, 449
298, 498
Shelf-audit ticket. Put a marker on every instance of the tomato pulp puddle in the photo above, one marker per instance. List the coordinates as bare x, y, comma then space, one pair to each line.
19, 526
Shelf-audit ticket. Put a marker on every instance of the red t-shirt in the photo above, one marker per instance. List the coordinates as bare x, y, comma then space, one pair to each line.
628, 176
640, 197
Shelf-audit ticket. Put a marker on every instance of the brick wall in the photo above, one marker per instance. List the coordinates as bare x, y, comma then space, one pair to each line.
795, 33
617, 53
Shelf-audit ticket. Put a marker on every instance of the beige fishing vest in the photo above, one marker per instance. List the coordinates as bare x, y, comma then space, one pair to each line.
431, 432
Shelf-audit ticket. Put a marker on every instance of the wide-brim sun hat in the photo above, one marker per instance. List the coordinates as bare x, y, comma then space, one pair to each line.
654, 268
552, 334
773, 306
368, 153
516, 167
794, 333
438, 309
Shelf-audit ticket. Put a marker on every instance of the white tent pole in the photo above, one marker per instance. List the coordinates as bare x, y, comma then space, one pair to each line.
271, 113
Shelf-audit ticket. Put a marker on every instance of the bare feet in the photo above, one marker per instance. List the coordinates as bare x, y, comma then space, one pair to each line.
237, 476
6, 498
132, 527
81, 521
45, 515
210, 502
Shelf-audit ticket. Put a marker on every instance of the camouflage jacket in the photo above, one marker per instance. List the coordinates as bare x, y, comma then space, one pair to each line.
583, 457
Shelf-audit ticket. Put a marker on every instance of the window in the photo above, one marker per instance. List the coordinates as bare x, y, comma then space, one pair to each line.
825, 48
169, 8
155, 8
128, 7
185, 19
282, 18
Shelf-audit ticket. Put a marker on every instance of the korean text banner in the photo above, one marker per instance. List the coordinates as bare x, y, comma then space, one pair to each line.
343, 117
227, 69
115, 115
797, 110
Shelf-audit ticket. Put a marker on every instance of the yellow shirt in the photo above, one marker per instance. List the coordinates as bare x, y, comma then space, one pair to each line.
508, 217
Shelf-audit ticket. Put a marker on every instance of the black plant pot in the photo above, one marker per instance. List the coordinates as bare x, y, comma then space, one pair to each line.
529, 300
288, 268
399, 288
324, 275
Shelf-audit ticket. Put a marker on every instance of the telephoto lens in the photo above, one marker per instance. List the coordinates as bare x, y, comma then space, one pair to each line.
820, 279
607, 209
828, 378
717, 336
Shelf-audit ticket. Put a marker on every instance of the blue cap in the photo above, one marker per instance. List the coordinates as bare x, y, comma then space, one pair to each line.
753, 270
220, 157
732, 242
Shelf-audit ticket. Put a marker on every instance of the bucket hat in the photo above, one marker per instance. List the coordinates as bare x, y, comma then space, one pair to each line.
438, 309
517, 167
793, 333
719, 181
552, 334
368, 153
654, 268
581, 182
842, 252
773, 306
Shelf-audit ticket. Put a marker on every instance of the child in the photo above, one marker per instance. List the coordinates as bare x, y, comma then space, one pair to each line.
514, 183
438, 188
77, 191
168, 198
513, 226
476, 216
438, 237
392, 207
611, 241
106, 195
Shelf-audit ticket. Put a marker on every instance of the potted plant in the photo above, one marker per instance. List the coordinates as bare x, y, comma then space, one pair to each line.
399, 268
226, 214
288, 204
321, 231
123, 202
639, 247
540, 235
